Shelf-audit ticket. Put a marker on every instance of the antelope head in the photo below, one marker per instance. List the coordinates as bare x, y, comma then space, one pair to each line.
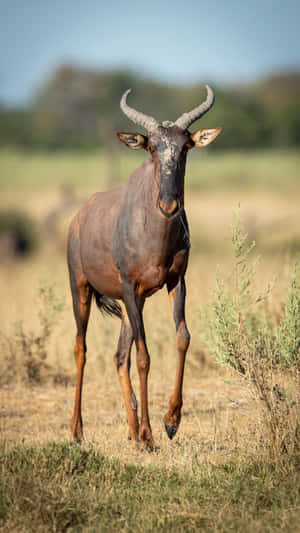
168, 144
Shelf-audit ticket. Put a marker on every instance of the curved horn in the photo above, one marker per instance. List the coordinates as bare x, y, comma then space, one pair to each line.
137, 117
188, 118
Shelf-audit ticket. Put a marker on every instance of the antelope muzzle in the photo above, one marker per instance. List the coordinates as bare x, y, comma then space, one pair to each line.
169, 206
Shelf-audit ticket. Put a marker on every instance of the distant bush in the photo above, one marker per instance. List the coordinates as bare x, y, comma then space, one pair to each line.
18, 233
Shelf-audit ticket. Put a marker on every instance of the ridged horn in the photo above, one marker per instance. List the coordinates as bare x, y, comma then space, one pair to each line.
187, 119
149, 123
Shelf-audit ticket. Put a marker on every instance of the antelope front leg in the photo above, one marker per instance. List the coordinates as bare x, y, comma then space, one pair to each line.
122, 360
134, 310
177, 298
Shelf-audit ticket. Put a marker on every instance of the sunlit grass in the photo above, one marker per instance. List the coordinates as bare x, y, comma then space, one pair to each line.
277, 171
274, 171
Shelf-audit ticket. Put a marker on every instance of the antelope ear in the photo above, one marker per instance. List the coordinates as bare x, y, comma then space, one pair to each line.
135, 141
205, 136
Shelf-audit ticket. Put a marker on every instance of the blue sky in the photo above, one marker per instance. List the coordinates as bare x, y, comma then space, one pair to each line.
175, 41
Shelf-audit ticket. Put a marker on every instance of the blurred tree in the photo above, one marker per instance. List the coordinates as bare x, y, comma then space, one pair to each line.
15, 127
79, 108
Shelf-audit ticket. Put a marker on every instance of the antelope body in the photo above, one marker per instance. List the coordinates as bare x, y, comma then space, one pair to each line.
127, 243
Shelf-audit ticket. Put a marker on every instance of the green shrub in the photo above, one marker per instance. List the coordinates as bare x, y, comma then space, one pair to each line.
288, 334
242, 336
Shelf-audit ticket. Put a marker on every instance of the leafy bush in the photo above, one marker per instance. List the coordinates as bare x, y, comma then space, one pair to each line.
288, 334
245, 338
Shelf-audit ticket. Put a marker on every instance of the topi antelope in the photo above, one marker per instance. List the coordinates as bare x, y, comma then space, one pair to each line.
126, 244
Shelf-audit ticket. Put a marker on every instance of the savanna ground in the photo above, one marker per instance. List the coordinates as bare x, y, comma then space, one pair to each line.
220, 472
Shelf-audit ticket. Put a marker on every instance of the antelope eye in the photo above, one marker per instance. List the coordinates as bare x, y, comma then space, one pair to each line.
189, 143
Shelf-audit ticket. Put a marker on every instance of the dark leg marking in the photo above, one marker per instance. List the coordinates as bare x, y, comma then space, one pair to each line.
134, 306
123, 362
177, 296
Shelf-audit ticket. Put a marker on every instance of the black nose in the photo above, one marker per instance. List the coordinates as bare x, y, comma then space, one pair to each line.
168, 207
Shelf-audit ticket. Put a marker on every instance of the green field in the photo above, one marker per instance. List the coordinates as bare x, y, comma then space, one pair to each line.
226, 469
271, 170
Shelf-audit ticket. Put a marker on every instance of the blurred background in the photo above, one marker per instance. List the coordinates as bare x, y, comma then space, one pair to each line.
63, 68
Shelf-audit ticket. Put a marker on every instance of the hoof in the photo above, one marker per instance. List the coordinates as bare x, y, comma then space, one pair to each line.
171, 431
134, 441
76, 431
76, 441
149, 448
133, 437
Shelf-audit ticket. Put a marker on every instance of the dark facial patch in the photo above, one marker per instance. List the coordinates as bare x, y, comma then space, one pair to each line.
169, 144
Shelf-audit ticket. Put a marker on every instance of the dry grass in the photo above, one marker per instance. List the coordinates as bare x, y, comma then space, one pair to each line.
217, 414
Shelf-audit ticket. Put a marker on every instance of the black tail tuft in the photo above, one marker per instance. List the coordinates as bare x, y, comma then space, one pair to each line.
108, 305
